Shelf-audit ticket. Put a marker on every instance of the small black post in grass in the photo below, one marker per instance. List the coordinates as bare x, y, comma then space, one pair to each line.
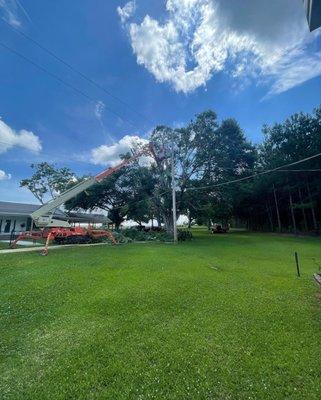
297, 264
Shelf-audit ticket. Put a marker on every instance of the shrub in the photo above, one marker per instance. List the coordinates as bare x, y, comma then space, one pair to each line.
183, 235
149, 236
120, 238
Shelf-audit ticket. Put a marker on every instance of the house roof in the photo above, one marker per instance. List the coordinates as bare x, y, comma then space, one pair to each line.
9, 208
23, 209
85, 218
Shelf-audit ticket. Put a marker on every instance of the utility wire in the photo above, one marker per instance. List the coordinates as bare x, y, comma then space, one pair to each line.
254, 175
60, 80
77, 71
277, 169
299, 170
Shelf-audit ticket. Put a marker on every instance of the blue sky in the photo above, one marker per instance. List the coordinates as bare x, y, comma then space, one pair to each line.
168, 60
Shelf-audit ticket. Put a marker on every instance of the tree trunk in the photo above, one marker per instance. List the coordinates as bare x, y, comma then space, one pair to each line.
303, 212
189, 219
315, 224
168, 222
292, 213
268, 210
277, 209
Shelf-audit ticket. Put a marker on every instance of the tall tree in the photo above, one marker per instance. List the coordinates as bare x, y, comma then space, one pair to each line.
293, 194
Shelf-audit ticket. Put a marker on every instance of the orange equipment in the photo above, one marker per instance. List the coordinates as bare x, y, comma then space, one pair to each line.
61, 231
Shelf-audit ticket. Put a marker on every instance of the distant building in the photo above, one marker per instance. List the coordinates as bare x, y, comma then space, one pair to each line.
313, 11
17, 217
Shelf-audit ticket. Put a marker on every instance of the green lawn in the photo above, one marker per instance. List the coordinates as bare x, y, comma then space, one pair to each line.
222, 317
5, 246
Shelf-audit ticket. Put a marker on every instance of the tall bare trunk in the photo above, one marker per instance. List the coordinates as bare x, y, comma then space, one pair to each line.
292, 213
268, 210
277, 209
315, 224
303, 212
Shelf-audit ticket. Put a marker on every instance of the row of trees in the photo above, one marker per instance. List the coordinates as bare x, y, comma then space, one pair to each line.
208, 153
288, 199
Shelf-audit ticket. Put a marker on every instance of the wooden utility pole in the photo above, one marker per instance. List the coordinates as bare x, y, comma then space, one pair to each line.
277, 209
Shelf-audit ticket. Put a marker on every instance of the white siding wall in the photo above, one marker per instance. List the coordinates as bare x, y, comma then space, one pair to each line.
20, 220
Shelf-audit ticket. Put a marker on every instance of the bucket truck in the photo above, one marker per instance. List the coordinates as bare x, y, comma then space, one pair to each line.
61, 232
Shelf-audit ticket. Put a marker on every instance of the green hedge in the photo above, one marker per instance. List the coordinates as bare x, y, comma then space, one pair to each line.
133, 234
141, 236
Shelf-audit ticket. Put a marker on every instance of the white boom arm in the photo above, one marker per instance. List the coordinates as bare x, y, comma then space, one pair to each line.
43, 216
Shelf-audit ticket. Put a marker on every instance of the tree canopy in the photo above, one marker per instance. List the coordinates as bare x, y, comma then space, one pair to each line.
48, 180
208, 154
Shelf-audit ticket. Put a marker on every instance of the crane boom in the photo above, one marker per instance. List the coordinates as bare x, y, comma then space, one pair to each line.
43, 216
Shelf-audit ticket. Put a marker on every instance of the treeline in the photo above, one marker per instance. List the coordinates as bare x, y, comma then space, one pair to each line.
208, 155
287, 200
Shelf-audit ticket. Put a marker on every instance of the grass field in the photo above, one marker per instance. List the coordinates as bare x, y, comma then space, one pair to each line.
221, 317
5, 246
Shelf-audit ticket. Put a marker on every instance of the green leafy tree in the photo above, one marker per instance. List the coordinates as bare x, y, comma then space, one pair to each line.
48, 180
286, 200
108, 195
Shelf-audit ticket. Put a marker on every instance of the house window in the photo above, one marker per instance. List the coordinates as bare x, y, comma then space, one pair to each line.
7, 226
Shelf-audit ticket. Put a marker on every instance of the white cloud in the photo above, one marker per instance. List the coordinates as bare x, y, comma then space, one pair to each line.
302, 69
266, 41
10, 10
110, 155
24, 139
99, 109
127, 11
4, 176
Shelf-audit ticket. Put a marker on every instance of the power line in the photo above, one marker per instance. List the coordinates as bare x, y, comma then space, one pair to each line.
60, 80
64, 158
77, 71
299, 170
277, 169
255, 175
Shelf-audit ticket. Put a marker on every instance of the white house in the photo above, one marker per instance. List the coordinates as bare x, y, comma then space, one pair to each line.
16, 217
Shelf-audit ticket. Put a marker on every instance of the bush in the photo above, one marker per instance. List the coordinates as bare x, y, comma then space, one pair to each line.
183, 235
149, 236
139, 235
120, 238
